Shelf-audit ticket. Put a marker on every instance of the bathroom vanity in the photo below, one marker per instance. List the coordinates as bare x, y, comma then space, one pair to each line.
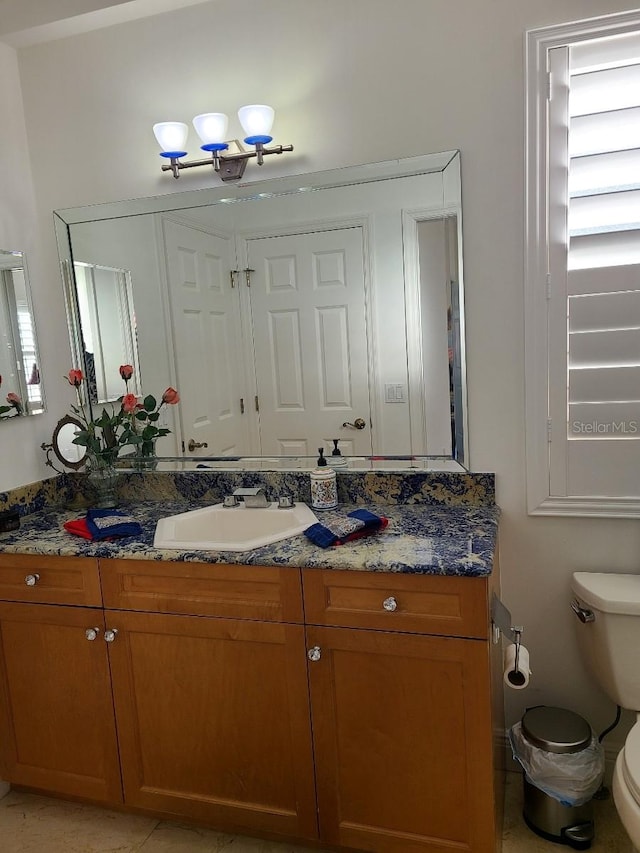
342, 706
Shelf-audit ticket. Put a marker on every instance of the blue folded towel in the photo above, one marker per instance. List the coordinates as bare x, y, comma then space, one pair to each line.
339, 529
104, 523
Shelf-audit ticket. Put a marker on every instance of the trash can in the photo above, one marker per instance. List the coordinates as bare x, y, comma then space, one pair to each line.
563, 766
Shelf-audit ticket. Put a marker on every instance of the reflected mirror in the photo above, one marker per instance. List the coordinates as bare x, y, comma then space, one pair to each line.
20, 385
288, 313
66, 452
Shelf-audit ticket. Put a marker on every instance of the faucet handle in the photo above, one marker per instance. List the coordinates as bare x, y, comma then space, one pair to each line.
285, 501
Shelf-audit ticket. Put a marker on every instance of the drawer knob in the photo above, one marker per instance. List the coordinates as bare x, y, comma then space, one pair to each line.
32, 580
390, 604
314, 653
110, 634
92, 633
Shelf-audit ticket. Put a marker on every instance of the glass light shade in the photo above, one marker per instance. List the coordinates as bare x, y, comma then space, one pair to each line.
171, 136
256, 121
212, 128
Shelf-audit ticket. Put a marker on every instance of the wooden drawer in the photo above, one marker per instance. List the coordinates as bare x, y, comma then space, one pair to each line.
203, 589
422, 604
59, 580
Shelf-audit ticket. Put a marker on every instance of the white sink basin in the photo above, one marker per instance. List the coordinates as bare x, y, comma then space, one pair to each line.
219, 528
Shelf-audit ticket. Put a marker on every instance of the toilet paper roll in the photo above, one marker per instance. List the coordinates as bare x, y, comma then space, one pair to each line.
519, 679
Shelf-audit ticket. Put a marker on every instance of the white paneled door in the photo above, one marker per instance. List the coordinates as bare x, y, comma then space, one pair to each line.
207, 340
307, 297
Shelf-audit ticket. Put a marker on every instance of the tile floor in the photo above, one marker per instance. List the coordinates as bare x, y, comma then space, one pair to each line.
32, 824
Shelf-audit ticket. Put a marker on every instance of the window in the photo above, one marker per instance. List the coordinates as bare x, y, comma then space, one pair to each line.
583, 268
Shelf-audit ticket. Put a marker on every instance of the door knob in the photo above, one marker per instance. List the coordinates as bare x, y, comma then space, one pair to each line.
32, 580
359, 423
110, 635
390, 604
314, 653
193, 444
92, 633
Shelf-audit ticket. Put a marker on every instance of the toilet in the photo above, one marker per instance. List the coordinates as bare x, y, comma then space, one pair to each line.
607, 607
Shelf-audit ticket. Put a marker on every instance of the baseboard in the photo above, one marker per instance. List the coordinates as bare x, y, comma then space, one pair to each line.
5, 787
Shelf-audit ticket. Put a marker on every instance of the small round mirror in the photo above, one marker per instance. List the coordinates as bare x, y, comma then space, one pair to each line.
69, 454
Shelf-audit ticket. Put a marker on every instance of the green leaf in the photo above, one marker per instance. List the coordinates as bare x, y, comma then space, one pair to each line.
149, 403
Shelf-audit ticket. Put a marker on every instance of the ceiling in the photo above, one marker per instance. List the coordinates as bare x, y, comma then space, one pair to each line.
28, 22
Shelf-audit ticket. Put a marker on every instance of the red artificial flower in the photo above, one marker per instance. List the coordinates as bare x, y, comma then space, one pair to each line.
130, 403
75, 377
13, 398
126, 371
171, 397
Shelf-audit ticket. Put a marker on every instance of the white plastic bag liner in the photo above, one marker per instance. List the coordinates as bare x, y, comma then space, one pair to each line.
572, 778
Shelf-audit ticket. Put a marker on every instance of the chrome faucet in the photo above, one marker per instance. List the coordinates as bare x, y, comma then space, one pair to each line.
253, 498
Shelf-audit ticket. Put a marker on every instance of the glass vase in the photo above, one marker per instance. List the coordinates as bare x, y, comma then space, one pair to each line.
103, 482
145, 457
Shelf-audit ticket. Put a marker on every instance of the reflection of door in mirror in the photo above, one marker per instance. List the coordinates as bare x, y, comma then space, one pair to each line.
207, 341
105, 304
307, 308
19, 363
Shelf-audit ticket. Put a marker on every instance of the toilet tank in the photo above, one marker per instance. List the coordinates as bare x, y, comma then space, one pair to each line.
610, 644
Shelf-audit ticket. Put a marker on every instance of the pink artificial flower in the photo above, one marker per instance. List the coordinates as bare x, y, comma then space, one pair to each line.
75, 377
13, 398
171, 397
126, 371
129, 402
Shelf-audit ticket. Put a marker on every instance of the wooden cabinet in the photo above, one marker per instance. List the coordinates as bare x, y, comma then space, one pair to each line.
350, 709
402, 721
56, 710
213, 720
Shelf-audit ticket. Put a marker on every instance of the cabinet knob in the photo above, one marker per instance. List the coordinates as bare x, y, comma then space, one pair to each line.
110, 634
92, 633
32, 580
314, 653
390, 604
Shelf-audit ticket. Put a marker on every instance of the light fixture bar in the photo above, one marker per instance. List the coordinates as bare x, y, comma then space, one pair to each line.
230, 167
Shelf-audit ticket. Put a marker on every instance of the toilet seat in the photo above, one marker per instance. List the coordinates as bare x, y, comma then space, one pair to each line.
631, 762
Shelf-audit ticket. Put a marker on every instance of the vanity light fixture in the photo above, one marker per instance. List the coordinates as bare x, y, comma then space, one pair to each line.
256, 121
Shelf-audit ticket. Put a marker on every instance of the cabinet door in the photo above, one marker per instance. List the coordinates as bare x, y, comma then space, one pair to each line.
56, 710
402, 737
213, 720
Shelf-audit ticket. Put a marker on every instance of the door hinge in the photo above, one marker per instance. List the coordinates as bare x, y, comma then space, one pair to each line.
549, 86
182, 445
242, 405
257, 404
548, 285
232, 277
549, 430
247, 274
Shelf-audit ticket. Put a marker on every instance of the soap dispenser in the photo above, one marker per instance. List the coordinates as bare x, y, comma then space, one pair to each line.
324, 487
336, 460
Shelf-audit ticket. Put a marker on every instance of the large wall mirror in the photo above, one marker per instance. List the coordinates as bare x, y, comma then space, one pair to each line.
20, 385
288, 313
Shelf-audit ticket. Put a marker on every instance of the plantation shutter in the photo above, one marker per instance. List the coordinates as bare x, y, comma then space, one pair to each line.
594, 262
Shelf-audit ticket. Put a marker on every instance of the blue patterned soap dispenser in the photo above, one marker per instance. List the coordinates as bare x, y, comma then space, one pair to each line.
324, 486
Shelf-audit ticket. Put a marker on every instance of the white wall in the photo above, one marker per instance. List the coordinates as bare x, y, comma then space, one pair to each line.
21, 460
353, 81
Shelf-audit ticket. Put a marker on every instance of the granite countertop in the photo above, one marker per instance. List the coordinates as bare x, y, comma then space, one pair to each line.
422, 539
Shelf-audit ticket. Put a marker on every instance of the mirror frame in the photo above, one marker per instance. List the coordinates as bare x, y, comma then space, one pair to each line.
64, 219
55, 445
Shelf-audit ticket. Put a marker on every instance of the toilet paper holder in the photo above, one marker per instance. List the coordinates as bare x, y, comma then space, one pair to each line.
503, 623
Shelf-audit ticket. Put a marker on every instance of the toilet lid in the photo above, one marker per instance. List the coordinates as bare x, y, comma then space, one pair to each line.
631, 766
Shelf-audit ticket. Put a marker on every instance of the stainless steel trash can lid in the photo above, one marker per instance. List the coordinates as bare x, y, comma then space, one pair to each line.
556, 729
